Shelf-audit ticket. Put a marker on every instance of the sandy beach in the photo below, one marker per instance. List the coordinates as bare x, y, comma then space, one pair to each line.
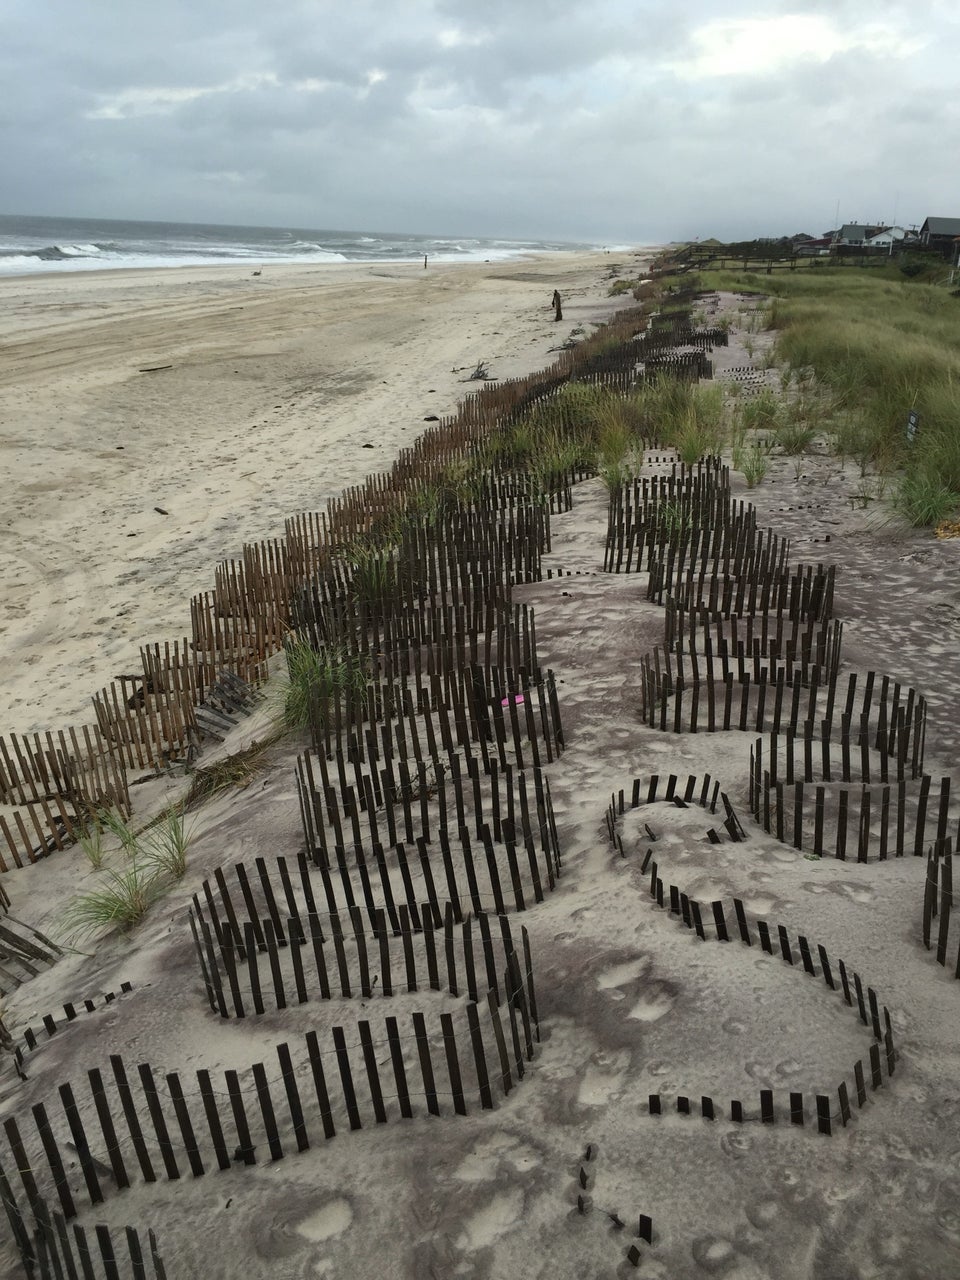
265, 397
566, 1173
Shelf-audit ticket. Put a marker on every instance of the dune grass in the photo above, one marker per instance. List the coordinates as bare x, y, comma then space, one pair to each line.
312, 676
122, 899
164, 845
880, 345
90, 840
150, 861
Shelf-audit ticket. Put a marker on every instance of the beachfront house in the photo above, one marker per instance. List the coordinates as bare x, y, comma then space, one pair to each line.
854, 235
890, 238
940, 234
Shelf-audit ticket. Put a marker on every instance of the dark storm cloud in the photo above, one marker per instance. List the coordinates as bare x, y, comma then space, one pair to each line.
621, 120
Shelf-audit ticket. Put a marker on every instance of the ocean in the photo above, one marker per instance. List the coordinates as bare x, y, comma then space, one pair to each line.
29, 245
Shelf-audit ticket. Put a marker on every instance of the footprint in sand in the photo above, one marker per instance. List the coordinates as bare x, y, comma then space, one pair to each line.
651, 998
604, 1079
498, 1216
656, 1001
486, 1160
326, 1222
619, 975
861, 894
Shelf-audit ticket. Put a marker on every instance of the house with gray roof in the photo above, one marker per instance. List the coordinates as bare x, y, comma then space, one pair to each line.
855, 234
940, 233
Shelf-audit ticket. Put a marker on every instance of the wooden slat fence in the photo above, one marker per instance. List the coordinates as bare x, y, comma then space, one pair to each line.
650, 511
252, 962
24, 951
52, 1249
806, 591
133, 1124
837, 817
148, 726
677, 696
375, 809
939, 902
714, 922
505, 716
50, 784
811, 644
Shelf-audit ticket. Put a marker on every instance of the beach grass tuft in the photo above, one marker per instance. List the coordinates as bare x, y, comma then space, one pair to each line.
165, 843
121, 901
311, 677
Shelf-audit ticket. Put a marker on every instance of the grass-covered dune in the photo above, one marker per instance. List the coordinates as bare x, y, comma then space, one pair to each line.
883, 345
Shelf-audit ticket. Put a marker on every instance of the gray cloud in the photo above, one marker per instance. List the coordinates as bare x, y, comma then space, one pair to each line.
618, 121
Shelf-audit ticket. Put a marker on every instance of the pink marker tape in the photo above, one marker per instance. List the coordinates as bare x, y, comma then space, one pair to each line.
517, 697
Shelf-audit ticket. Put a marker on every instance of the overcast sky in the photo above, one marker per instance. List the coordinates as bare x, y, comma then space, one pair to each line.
604, 120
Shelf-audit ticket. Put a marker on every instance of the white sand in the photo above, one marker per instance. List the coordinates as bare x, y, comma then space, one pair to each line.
276, 384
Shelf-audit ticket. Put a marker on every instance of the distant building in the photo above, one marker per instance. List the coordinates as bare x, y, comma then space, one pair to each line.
940, 234
854, 235
890, 237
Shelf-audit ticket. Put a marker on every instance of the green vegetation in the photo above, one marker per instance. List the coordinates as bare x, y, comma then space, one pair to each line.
151, 860
761, 411
90, 840
122, 900
673, 520
880, 344
313, 676
794, 438
374, 571
165, 845
922, 499
755, 463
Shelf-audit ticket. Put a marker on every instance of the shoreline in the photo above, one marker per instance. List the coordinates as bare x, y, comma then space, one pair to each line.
250, 266
129, 480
